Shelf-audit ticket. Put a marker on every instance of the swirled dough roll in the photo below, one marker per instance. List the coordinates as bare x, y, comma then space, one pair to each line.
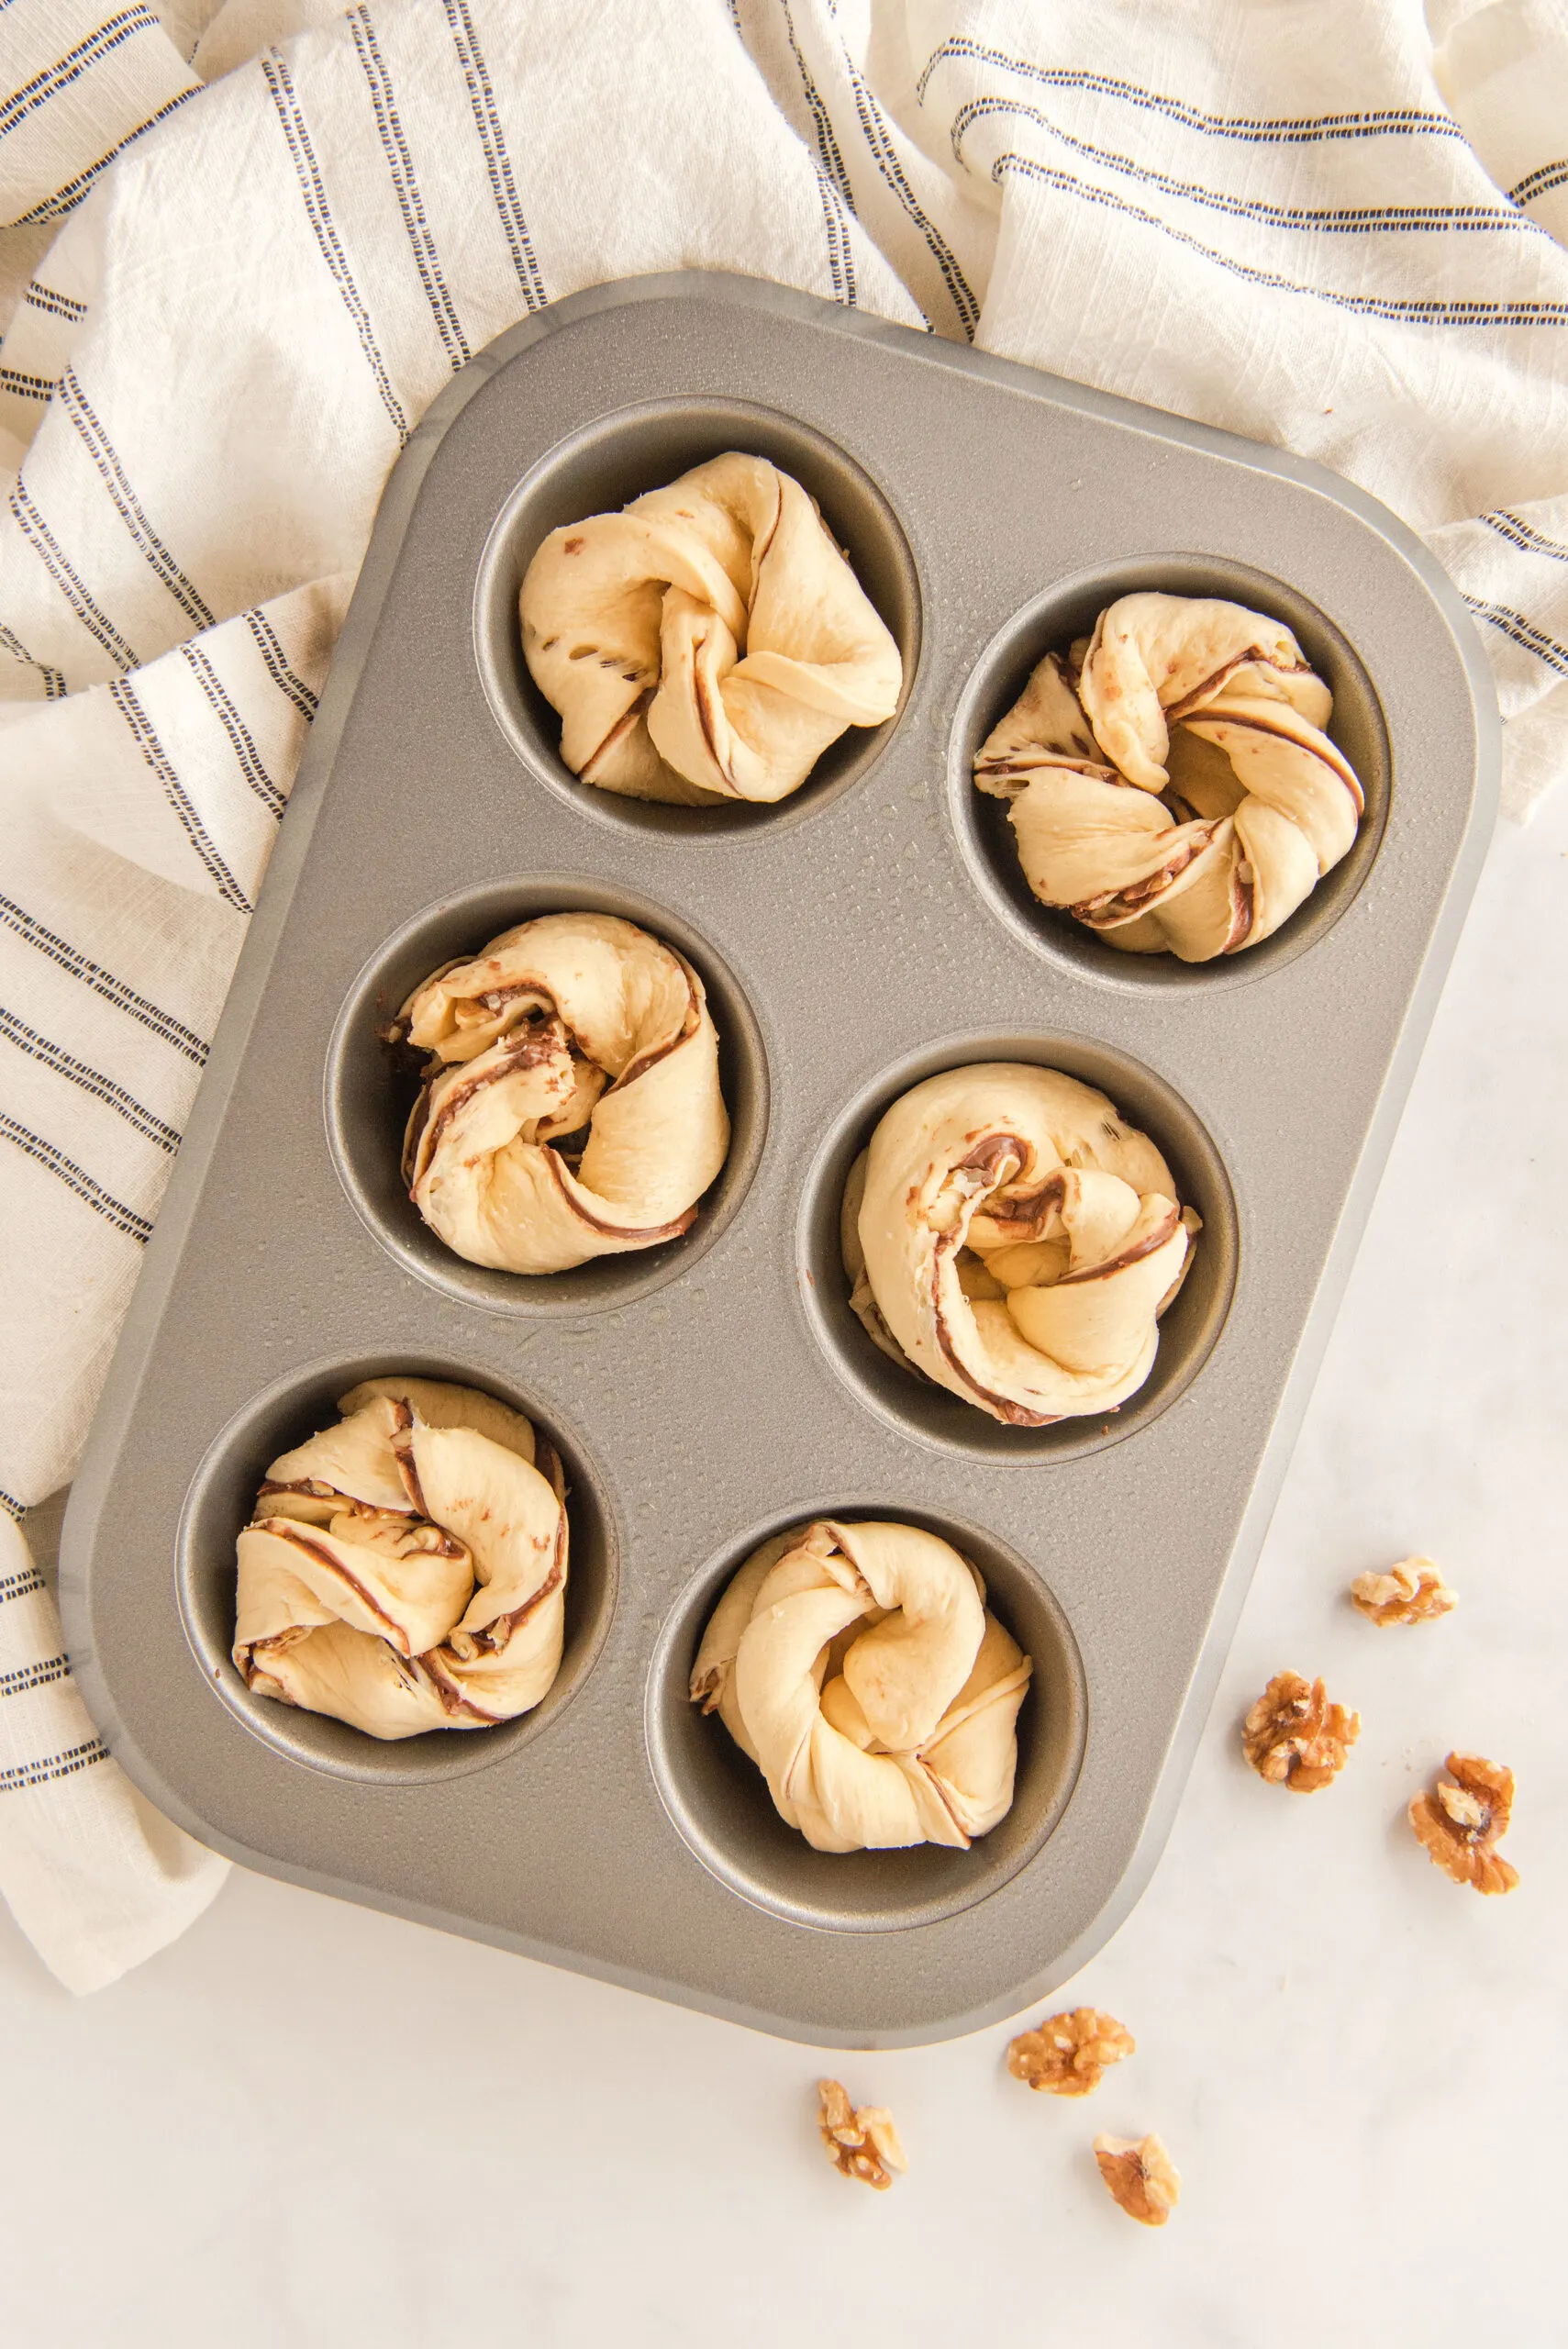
1169, 781
406, 1569
859, 1668
571, 1106
710, 641
1010, 1236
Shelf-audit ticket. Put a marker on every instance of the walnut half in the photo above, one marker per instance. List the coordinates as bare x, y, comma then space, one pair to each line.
1067, 2053
1412, 1592
1294, 1737
1141, 2175
1460, 1824
862, 2143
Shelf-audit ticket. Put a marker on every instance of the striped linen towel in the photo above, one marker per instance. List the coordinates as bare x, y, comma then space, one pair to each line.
90, 1871
250, 243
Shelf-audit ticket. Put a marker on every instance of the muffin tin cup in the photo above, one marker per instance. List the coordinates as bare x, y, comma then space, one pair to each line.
720, 1800
605, 466
371, 1086
1188, 1330
1049, 623
855, 938
221, 1499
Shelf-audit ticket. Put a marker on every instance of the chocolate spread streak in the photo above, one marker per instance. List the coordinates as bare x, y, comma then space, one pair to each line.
1133, 1255
645, 1237
531, 1047
1243, 907
396, 1032
454, 1703
496, 1635
497, 998
455, 1700
1254, 658
964, 1842
403, 1452
989, 1157
1016, 1415
1023, 770
618, 733
656, 1053
763, 546
1329, 758
705, 716
1026, 1217
288, 1529
535, 1043
1117, 905
996, 1152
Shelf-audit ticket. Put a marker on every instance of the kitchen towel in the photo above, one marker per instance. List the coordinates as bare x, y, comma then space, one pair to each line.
246, 247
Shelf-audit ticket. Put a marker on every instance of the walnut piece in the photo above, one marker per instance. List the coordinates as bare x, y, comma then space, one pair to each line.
1412, 1592
1294, 1737
1461, 1824
862, 2143
1141, 2175
1066, 2055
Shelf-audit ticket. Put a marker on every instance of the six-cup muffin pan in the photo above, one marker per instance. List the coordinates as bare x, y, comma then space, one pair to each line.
868, 931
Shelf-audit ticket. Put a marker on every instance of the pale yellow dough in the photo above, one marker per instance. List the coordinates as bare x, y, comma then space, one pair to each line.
707, 643
1169, 781
579, 1030
859, 1666
1010, 1235
407, 1570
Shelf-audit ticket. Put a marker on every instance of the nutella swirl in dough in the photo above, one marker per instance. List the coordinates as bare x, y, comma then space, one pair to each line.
1009, 1235
406, 1569
1169, 781
571, 1106
708, 642
859, 1666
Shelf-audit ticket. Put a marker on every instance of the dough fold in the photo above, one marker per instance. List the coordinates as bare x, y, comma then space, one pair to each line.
1010, 1236
709, 641
859, 1666
406, 1569
571, 1106
1169, 781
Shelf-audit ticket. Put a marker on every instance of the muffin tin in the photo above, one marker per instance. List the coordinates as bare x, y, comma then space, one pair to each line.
866, 932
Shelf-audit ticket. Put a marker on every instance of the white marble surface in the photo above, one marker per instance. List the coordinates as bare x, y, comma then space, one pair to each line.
311, 2124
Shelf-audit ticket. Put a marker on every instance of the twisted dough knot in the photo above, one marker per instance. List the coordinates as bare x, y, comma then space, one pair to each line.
571, 1106
1170, 783
407, 1570
859, 1667
1008, 1234
710, 641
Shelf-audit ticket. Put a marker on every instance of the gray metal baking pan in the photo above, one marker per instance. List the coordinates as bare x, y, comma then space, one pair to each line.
869, 931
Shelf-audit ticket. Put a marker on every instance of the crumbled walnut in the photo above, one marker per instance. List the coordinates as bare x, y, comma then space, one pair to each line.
1461, 1824
1141, 2175
1412, 1592
1067, 2053
1295, 1737
862, 2144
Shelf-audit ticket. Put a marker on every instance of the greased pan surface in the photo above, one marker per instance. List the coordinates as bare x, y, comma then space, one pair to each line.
866, 934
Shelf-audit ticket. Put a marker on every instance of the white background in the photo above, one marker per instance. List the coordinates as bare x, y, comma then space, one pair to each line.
312, 2125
